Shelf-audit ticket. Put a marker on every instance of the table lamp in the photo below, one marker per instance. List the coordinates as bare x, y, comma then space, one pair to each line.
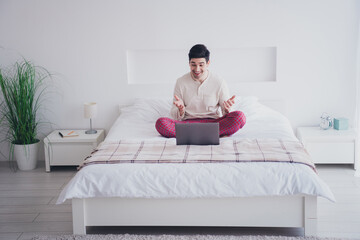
90, 111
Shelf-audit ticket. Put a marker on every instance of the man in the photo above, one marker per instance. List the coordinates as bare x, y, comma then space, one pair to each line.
199, 95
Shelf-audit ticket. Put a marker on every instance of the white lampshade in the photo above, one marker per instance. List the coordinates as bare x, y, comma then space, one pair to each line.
90, 110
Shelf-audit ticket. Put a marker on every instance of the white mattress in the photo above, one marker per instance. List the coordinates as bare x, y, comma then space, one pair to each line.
208, 180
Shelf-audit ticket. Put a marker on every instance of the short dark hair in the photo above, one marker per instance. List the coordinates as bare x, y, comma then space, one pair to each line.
199, 51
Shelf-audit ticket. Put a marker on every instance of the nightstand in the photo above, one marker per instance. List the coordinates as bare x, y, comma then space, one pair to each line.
329, 146
70, 150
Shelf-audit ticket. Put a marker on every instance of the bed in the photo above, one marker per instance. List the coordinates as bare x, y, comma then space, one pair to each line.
245, 194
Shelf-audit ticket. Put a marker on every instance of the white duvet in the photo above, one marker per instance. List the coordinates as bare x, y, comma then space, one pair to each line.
208, 180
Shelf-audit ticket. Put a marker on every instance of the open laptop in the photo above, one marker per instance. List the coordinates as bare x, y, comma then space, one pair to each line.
197, 133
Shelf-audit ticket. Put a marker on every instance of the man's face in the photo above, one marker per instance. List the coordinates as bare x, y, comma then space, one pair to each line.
198, 68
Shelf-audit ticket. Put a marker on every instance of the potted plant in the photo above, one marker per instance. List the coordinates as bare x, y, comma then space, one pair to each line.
22, 88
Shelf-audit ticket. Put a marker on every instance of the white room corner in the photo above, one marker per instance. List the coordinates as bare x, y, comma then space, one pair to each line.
357, 154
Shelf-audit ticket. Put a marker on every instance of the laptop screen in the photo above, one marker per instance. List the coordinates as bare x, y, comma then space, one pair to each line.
197, 133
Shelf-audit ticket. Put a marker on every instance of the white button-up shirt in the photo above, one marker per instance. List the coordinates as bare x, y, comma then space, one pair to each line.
201, 100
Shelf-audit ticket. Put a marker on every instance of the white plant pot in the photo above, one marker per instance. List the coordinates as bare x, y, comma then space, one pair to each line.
26, 155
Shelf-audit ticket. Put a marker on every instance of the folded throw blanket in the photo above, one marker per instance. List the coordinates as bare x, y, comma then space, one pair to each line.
229, 150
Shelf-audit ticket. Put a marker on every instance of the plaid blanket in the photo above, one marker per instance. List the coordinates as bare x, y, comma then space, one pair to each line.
229, 150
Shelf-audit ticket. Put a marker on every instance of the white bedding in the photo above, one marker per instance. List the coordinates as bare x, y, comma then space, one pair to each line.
205, 180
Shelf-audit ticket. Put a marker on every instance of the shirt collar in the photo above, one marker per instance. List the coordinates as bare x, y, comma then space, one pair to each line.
207, 77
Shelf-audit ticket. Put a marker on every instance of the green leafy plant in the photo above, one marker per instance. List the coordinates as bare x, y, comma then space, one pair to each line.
22, 89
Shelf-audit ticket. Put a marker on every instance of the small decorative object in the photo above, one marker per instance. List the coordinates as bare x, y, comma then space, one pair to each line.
326, 121
90, 111
341, 123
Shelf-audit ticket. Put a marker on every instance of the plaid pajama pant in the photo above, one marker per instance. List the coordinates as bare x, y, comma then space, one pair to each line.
228, 124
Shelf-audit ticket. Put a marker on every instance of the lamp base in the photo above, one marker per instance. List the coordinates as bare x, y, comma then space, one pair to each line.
91, 131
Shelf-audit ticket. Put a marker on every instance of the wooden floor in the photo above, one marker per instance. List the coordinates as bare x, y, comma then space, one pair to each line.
27, 207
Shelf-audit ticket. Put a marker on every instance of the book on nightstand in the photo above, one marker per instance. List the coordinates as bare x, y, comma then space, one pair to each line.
68, 133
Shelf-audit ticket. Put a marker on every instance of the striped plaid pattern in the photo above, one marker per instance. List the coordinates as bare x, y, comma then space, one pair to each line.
228, 124
229, 150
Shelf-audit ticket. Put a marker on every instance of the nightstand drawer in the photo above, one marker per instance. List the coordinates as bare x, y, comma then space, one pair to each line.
329, 146
69, 153
331, 152
63, 151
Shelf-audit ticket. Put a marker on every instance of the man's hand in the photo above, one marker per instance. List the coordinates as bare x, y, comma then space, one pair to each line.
179, 104
228, 103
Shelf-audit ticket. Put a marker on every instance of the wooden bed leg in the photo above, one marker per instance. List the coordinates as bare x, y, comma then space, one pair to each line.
78, 216
310, 216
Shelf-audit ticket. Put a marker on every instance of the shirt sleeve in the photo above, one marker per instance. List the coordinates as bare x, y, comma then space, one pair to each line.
223, 96
174, 112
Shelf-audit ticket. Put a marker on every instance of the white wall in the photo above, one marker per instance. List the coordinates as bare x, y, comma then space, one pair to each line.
84, 42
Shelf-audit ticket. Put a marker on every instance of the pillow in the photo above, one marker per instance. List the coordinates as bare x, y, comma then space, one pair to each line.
244, 102
149, 110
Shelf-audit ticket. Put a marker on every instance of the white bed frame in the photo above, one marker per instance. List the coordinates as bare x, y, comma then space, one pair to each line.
272, 211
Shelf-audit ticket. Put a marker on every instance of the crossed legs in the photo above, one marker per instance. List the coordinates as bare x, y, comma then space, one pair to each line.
228, 124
